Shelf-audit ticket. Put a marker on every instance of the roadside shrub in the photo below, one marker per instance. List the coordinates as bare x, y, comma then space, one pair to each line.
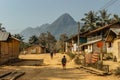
61, 51
77, 60
71, 55
117, 71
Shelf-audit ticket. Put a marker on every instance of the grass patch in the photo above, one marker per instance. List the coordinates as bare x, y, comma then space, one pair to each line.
77, 60
71, 55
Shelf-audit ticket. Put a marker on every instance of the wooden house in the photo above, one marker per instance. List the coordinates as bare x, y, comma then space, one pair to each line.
9, 47
96, 39
113, 41
72, 43
36, 49
105, 39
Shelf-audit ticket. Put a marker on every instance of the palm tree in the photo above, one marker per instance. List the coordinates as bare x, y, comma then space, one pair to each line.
90, 20
116, 18
104, 17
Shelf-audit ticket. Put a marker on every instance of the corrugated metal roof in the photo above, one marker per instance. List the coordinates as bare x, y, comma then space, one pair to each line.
4, 36
101, 28
15, 38
116, 30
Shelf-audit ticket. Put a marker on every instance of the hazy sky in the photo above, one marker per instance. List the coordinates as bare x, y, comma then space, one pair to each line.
16, 15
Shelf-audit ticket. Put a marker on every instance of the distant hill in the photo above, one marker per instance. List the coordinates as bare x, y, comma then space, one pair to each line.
64, 24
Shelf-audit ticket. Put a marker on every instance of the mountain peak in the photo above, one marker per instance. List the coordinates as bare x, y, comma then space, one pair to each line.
65, 15
64, 19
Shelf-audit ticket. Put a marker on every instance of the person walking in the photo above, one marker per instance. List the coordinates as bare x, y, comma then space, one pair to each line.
64, 60
51, 54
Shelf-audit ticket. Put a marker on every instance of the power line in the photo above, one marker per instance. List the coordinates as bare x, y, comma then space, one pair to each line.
108, 4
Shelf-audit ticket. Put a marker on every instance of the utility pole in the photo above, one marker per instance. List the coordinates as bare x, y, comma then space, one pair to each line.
0, 44
0, 26
78, 36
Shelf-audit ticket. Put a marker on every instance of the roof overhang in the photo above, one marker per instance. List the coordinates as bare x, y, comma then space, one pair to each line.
101, 28
90, 42
115, 30
15, 38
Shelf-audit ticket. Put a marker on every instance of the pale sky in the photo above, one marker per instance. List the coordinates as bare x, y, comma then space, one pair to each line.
16, 15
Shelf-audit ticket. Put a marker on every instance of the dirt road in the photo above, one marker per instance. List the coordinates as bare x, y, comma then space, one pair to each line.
52, 70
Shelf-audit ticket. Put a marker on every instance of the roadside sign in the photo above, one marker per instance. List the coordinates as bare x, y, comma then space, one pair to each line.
99, 44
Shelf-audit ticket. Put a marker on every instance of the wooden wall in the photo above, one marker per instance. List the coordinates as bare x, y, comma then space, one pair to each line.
9, 50
36, 49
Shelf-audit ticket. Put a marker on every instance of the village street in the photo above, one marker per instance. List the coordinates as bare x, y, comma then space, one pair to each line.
52, 69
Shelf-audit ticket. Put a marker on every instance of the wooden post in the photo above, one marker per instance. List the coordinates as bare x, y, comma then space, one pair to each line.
0, 52
78, 36
101, 54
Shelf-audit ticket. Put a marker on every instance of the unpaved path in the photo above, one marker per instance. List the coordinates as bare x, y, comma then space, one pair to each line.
52, 70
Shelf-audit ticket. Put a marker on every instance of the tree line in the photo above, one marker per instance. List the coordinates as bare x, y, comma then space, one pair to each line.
46, 40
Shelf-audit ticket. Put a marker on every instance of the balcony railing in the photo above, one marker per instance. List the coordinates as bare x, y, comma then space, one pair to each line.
94, 38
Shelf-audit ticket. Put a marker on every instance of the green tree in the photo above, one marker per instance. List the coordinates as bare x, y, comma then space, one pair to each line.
33, 40
104, 17
22, 44
47, 40
50, 41
18, 36
89, 21
63, 38
116, 18
42, 39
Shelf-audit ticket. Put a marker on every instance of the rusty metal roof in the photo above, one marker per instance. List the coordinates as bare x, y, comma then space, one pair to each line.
4, 36
116, 30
